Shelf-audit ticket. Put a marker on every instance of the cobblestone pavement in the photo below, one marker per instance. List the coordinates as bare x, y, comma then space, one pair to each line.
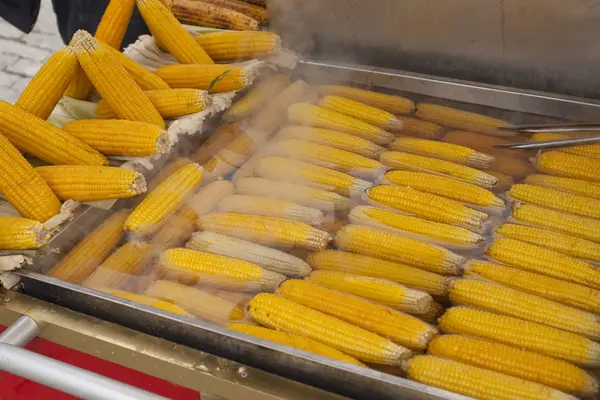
22, 55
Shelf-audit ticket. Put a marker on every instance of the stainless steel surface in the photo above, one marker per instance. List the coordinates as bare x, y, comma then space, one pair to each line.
21, 332
556, 128
551, 144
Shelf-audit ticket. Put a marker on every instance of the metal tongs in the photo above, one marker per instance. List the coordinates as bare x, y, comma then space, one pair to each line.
554, 128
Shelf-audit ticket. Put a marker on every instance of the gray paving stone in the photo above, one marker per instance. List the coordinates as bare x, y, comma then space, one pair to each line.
7, 79
7, 59
7, 31
24, 50
24, 67
20, 84
9, 95
43, 40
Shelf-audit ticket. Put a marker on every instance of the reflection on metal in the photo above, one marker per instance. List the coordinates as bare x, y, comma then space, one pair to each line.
556, 128
21, 332
551, 144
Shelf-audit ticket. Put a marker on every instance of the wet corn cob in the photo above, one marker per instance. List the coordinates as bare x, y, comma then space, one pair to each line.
358, 264
258, 13
232, 46
212, 77
504, 181
487, 144
435, 311
176, 230
212, 16
477, 382
444, 151
224, 135
389, 246
587, 150
268, 231
556, 200
459, 119
149, 301
114, 22
275, 311
256, 98
167, 171
164, 199
515, 167
207, 198
418, 128
22, 233
389, 103
576, 186
568, 165
362, 111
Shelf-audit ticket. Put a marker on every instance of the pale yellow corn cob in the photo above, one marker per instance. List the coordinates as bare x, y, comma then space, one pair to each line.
477, 382
79, 263
378, 290
515, 362
568, 165
48, 85
127, 261
586, 150
283, 169
207, 198
212, 77
520, 333
176, 230
435, 232
411, 162
358, 264
320, 117
425, 205
278, 313
558, 290
148, 301
257, 97
216, 270
488, 144
565, 244
547, 262
465, 120
258, 13
22, 234
390, 103
500, 299
239, 150
418, 128
389, 246
304, 195
362, 111
224, 135
212, 16
432, 315
504, 181
444, 151
114, 22
265, 257
556, 200
232, 46
164, 199
576, 186
295, 341
269, 231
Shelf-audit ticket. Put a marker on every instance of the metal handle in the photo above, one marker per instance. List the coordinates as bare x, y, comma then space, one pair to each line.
569, 127
56, 374
551, 144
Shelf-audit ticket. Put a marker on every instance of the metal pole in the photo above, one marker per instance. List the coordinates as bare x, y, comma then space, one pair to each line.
21, 332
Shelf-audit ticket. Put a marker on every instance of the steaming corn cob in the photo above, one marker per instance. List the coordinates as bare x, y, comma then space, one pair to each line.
515, 167
212, 77
358, 264
503, 300
398, 327
114, 22
418, 128
164, 199
389, 246
165, 27
426, 206
547, 262
149, 301
268, 231
274, 312
390, 103
587, 150
232, 46
444, 151
586, 228
459, 119
477, 382
576, 186
487, 144
207, 198
568, 165
223, 136
176, 230
258, 13
556, 200
257, 97
378, 290
523, 334
558, 290
434, 232
504, 181
363, 112
216, 270
213, 16
412, 162
22, 234
128, 260
515, 362
167, 171
432, 314
239, 150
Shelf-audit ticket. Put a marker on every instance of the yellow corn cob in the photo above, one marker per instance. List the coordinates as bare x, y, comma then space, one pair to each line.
425, 205
375, 289
358, 264
212, 16
23, 187
207, 198
444, 151
46, 88
576, 186
149, 301
257, 97
295, 341
238, 151
515, 362
587, 150
37, 137
120, 137
114, 22
165, 27
91, 183
176, 230
477, 382
167, 171
434, 232
320, 117
519, 333
390, 103
488, 144
398, 327
81, 87
389, 246
431, 315
459, 119
258, 13
211, 77
565, 244
91, 251
216, 270
362, 111
127, 261
22, 234
120, 91
283, 169
558, 290
265, 230
411, 162
556, 200
278, 313
504, 181
224, 135
232, 46
423, 129
568, 165
503, 300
